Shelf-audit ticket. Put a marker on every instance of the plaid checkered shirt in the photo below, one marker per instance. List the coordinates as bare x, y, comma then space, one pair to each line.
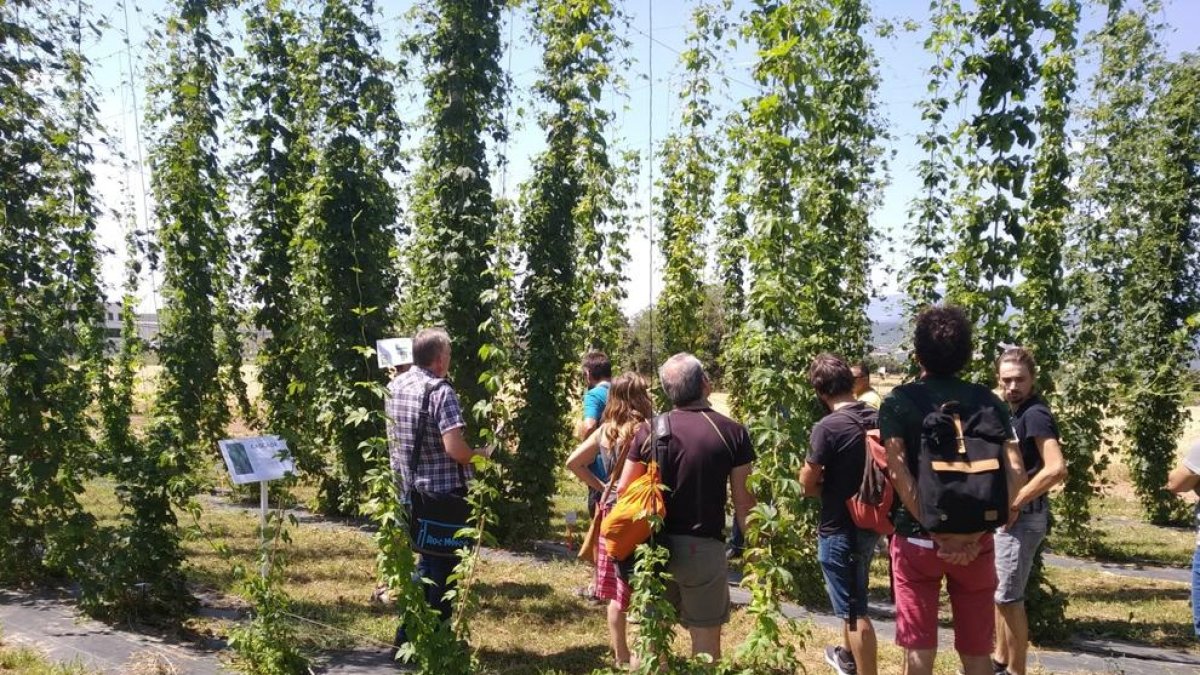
436, 471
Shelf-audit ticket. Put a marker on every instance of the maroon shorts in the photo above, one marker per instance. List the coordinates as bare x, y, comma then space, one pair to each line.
609, 586
918, 574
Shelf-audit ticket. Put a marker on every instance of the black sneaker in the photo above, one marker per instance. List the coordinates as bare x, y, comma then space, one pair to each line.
841, 660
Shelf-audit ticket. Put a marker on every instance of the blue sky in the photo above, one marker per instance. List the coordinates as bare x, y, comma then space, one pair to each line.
646, 112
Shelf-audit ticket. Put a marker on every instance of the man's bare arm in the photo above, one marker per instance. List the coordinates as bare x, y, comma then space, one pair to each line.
811, 478
1015, 466
1181, 479
585, 427
457, 448
902, 480
743, 498
1053, 472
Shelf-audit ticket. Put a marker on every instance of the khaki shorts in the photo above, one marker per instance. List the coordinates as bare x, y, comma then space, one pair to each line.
699, 584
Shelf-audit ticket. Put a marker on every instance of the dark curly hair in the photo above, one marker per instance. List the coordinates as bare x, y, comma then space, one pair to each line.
943, 340
597, 365
830, 375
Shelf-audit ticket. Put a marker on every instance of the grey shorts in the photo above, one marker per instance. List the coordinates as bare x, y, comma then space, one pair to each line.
699, 584
1015, 548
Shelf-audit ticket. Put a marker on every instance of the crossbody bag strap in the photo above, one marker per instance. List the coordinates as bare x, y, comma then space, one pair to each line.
419, 432
720, 435
619, 464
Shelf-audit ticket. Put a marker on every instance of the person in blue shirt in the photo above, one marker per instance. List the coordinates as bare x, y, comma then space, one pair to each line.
597, 372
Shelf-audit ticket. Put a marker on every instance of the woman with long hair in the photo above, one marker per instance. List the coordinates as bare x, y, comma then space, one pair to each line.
629, 408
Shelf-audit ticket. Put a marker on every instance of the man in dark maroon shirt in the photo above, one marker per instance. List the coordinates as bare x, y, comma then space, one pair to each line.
706, 452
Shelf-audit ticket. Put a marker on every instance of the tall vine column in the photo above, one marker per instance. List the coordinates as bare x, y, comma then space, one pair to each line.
453, 208
273, 174
188, 184
49, 296
576, 35
686, 202
810, 149
998, 137
1041, 295
344, 245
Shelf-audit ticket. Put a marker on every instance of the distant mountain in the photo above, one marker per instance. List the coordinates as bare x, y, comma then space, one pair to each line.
888, 335
887, 322
889, 327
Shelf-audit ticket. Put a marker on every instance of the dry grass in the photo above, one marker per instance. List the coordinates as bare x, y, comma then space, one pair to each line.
531, 621
149, 663
1128, 609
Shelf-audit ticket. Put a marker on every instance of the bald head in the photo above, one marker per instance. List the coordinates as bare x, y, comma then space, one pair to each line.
683, 379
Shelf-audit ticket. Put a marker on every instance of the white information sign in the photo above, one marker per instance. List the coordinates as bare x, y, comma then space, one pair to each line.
394, 352
259, 459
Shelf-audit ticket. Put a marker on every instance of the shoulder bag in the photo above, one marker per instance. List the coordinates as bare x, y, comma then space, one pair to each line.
435, 518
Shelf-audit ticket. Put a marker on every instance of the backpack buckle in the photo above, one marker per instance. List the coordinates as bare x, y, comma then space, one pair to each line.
951, 408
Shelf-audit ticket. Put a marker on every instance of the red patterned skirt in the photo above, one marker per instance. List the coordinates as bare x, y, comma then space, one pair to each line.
609, 586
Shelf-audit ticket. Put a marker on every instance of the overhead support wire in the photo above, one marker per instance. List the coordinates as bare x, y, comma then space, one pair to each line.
650, 175
137, 136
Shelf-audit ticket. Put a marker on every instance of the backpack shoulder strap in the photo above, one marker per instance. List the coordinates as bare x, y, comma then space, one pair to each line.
661, 431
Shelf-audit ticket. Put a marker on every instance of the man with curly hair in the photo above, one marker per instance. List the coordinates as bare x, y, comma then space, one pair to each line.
921, 559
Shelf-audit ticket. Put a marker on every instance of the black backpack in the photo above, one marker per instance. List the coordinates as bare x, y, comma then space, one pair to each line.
962, 484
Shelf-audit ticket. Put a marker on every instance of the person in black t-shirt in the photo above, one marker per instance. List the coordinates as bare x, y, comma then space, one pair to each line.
833, 471
708, 459
921, 560
1017, 544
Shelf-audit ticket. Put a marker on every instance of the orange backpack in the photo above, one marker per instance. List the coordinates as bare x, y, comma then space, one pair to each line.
628, 523
870, 506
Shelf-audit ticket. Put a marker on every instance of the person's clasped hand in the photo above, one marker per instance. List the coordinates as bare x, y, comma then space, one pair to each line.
957, 549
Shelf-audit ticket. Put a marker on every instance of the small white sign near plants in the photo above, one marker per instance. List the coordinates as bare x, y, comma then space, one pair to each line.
392, 352
256, 460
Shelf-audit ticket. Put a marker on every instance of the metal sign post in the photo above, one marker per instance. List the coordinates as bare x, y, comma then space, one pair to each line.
257, 460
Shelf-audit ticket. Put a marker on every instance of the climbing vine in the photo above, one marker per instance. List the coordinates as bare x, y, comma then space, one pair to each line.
998, 136
601, 214
731, 245
686, 193
1094, 261
453, 210
577, 37
273, 173
188, 184
610, 204
1041, 295
345, 243
1161, 294
931, 211
49, 294
809, 148
1132, 281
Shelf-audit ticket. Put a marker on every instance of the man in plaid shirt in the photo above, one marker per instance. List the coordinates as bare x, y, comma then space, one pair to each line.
444, 459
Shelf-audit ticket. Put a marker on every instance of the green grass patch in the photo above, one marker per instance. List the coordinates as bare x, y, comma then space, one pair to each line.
1127, 609
29, 661
1123, 537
